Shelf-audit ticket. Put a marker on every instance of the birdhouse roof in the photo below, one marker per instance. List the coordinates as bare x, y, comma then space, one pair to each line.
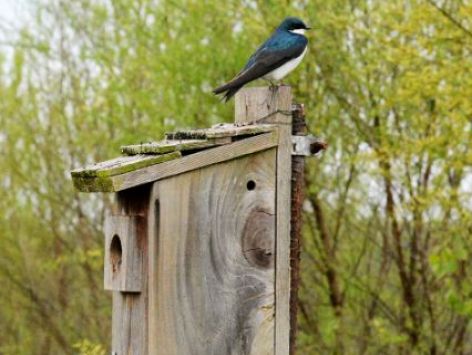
179, 152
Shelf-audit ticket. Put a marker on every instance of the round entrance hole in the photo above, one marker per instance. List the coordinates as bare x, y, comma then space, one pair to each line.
251, 185
116, 253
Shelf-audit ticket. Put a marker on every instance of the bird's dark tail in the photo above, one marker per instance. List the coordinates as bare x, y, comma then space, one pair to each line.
229, 91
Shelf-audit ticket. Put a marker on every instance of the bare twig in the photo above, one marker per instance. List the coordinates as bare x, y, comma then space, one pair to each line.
450, 18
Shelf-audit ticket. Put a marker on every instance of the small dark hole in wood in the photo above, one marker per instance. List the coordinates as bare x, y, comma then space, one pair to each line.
116, 253
251, 185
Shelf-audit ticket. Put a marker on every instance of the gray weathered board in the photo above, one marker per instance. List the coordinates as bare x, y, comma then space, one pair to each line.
221, 131
273, 105
211, 289
168, 146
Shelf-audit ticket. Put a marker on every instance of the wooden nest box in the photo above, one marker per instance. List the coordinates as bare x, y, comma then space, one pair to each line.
198, 245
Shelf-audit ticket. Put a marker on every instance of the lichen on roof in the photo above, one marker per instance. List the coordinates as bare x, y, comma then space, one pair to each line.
98, 177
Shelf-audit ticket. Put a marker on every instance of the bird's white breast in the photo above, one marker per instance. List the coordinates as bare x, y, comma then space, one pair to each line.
283, 70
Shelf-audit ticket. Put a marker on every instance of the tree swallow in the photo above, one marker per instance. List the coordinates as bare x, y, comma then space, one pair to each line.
274, 59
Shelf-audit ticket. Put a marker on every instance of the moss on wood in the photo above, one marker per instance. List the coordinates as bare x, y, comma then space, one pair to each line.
123, 165
98, 176
93, 184
219, 131
168, 146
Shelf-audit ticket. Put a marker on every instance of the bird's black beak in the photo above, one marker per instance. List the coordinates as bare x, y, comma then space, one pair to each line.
308, 28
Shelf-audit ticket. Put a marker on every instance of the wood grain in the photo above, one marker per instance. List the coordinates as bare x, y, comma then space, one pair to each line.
273, 105
212, 260
268, 105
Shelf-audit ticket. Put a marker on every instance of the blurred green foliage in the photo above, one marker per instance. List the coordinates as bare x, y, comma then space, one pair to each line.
388, 213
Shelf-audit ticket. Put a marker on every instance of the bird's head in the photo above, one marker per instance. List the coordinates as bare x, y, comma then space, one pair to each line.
294, 25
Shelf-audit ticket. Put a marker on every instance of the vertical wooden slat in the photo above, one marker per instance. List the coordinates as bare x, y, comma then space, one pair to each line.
154, 257
273, 105
130, 309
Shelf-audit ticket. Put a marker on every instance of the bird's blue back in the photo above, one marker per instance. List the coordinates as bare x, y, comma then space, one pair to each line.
280, 41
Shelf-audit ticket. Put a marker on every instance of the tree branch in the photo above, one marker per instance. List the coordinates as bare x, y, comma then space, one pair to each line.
450, 17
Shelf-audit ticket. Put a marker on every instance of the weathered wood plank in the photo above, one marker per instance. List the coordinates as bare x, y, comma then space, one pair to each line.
129, 324
122, 165
212, 260
220, 131
168, 146
273, 105
262, 104
98, 177
93, 184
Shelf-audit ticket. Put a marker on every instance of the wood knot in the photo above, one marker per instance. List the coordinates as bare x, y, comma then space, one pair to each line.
258, 239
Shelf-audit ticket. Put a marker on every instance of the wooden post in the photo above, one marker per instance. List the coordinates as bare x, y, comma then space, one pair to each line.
273, 105
297, 196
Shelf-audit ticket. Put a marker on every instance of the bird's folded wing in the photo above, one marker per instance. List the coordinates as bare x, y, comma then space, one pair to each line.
262, 62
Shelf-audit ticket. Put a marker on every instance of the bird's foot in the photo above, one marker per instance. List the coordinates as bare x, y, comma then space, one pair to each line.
275, 85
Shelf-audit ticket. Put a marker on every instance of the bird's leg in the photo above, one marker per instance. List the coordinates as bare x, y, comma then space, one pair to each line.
270, 82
